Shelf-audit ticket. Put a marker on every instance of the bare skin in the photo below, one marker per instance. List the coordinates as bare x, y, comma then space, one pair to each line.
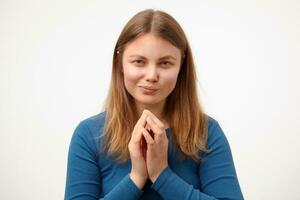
148, 153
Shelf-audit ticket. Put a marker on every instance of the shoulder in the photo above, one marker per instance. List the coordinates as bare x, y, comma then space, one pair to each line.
94, 124
89, 131
216, 135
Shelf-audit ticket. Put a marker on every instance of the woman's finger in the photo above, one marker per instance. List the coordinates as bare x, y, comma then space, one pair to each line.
147, 137
155, 119
137, 133
142, 120
155, 129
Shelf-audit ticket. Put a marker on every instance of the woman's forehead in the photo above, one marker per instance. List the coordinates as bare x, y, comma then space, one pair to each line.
150, 45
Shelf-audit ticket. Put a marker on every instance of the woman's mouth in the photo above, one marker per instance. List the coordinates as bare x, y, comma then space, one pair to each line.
148, 90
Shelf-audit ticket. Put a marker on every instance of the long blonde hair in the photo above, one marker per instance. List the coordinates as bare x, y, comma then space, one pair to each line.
182, 108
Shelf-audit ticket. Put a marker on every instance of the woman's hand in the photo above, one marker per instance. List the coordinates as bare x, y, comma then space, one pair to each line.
137, 149
157, 146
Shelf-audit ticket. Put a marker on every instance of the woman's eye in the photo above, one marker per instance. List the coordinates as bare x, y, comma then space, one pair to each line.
138, 61
166, 63
142, 62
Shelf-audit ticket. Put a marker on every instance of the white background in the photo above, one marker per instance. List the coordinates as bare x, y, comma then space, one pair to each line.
55, 64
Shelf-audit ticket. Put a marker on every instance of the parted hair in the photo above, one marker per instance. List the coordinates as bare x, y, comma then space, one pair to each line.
182, 109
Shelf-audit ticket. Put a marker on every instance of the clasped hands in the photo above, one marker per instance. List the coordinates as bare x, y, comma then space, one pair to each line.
148, 148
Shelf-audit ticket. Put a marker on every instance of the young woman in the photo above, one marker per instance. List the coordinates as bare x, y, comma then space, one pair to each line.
153, 140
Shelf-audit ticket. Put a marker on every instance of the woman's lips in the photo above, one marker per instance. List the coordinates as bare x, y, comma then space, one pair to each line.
148, 90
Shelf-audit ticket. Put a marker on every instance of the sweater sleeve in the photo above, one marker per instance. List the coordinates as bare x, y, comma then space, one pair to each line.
83, 181
218, 179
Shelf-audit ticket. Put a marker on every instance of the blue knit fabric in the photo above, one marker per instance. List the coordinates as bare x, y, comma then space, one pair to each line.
91, 174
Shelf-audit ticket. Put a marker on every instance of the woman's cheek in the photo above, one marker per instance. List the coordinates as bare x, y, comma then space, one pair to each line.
170, 78
132, 74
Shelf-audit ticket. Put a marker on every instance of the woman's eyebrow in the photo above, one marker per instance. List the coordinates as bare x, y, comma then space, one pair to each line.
164, 57
168, 57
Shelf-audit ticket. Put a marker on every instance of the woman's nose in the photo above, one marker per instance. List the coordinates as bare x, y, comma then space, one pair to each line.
152, 73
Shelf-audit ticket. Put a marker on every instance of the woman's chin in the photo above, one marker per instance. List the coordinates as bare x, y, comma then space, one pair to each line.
148, 101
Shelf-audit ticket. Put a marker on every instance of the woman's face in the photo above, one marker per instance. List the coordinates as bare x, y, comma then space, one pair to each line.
150, 67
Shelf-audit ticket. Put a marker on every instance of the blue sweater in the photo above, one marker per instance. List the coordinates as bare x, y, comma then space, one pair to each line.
91, 174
